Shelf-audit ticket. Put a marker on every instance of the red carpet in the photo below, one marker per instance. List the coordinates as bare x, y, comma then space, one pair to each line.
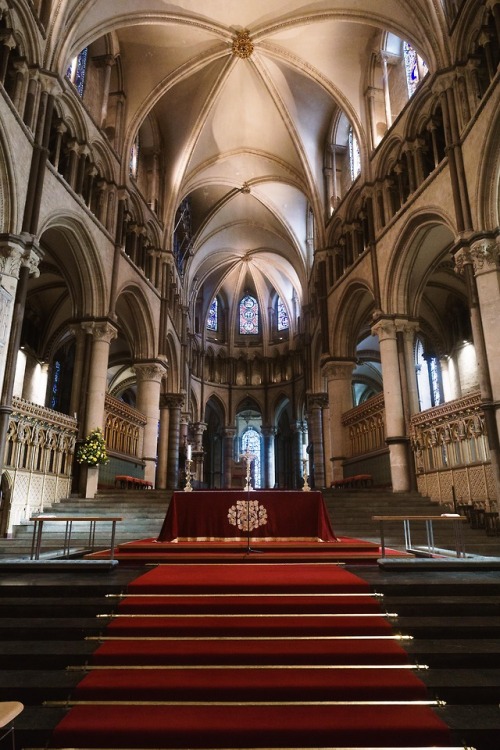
249, 656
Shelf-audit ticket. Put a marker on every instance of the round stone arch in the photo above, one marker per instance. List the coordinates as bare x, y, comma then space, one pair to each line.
355, 307
136, 323
71, 256
423, 248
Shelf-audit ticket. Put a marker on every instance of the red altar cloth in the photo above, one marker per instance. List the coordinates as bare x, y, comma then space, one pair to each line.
221, 515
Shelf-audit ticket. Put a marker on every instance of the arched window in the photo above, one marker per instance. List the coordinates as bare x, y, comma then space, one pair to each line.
77, 69
213, 316
249, 315
415, 68
250, 441
354, 157
282, 315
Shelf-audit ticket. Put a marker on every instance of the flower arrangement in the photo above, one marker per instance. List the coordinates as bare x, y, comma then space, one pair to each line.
93, 449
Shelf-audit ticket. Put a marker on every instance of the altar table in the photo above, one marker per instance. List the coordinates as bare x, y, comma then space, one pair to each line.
275, 515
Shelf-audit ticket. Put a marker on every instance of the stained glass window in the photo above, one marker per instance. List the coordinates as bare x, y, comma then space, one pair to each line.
249, 315
354, 157
283, 321
250, 441
212, 320
77, 69
54, 401
414, 67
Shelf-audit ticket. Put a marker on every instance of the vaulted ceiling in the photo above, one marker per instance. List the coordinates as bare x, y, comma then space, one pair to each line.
244, 120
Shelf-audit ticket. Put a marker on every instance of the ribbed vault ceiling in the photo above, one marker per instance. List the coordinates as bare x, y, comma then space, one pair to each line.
245, 137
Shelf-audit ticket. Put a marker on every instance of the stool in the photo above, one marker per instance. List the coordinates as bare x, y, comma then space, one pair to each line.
8, 712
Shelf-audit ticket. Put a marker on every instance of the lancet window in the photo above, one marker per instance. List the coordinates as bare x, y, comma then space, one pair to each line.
77, 70
249, 315
213, 316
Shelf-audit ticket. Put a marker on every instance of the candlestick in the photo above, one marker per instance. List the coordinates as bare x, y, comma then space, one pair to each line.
188, 487
305, 487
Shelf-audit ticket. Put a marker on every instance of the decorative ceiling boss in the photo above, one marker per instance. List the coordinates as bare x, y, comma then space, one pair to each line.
243, 45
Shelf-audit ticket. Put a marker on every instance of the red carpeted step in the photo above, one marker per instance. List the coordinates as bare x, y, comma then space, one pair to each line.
320, 604
216, 726
248, 651
251, 684
190, 626
249, 577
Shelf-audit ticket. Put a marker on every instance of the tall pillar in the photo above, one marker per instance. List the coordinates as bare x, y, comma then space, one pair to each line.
102, 333
228, 454
407, 330
149, 377
338, 375
315, 404
298, 429
198, 452
174, 402
396, 437
19, 259
162, 466
269, 433
481, 267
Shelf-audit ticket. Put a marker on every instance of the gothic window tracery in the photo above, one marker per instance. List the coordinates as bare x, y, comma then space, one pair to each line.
213, 315
282, 315
249, 315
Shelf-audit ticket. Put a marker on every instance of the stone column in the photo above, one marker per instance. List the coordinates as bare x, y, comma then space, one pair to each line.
19, 259
149, 377
198, 452
174, 402
384, 58
481, 267
408, 329
338, 374
162, 466
396, 437
315, 404
269, 433
102, 333
228, 448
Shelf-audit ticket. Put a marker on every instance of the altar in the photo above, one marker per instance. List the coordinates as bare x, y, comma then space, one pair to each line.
233, 515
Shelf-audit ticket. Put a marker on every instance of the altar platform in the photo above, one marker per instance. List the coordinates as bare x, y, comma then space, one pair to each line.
231, 515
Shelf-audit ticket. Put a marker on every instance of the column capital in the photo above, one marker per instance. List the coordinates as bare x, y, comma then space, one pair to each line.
18, 251
384, 328
483, 255
316, 401
100, 330
150, 370
337, 369
268, 432
173, 400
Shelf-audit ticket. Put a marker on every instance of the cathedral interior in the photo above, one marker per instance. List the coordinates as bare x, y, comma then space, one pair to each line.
250, 241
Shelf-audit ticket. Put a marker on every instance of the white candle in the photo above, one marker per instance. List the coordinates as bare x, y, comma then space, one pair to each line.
189, 452
304, 452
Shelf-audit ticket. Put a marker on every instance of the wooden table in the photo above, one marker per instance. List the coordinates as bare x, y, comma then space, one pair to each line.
38, 522
455, 520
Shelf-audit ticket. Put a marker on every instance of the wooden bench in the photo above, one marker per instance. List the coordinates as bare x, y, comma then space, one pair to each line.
38, 522
125, 482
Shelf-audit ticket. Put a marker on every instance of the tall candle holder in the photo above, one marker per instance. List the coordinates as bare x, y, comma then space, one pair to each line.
249, 457
188, 487
305, 487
